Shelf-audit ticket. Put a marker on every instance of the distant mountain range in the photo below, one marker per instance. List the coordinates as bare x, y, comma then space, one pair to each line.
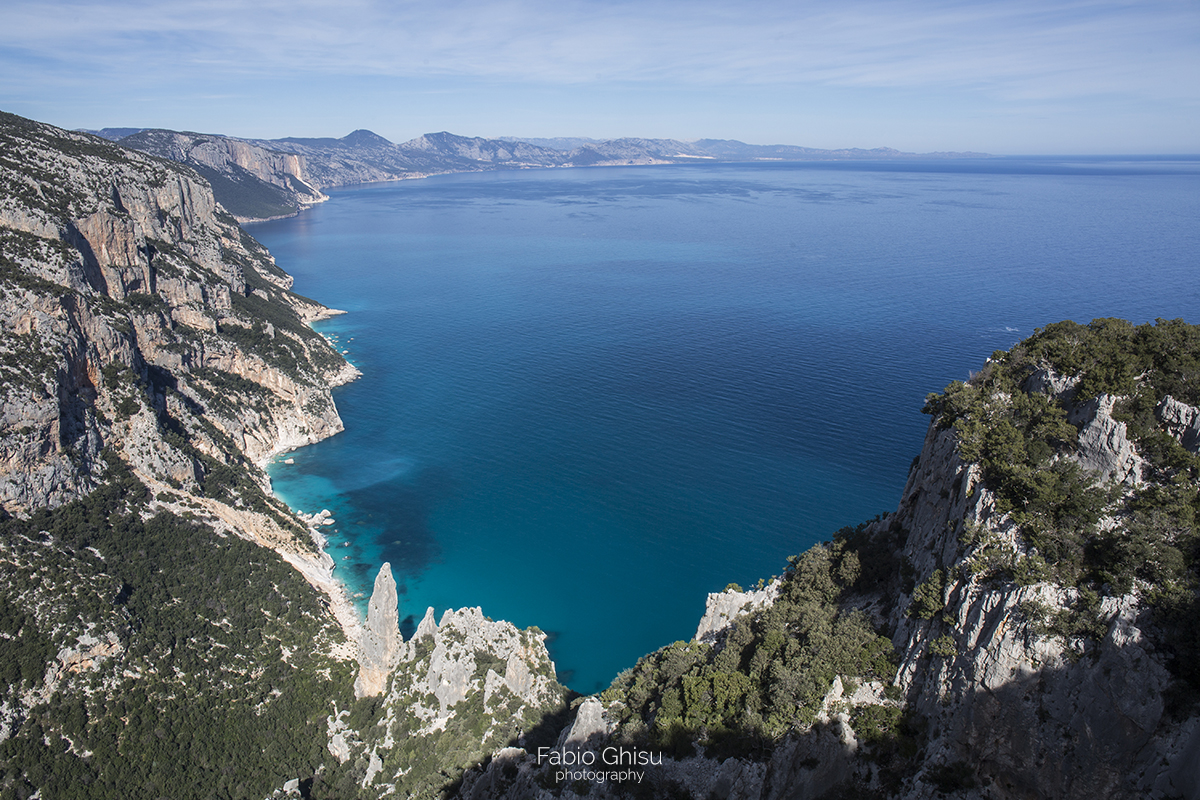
259, 179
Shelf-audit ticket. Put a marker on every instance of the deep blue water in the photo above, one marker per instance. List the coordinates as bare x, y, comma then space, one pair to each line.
592, 396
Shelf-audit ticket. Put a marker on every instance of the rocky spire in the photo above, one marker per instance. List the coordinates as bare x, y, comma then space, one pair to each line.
380, 646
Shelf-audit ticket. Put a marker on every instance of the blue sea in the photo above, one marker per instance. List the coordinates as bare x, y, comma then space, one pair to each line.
592, 396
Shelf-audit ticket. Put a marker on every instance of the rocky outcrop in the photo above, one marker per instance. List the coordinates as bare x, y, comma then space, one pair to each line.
380, 646
1104, 445
141, 321
1021, 707
722, 608
589, 727
459, 688
451, 673
1181, 421
1016, 703
426, 627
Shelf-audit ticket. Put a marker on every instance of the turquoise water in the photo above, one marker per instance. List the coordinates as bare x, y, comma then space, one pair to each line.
592, 396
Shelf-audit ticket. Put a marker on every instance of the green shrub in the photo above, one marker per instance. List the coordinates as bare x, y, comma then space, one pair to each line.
202, 620
943, 646
927, 598
1022, 442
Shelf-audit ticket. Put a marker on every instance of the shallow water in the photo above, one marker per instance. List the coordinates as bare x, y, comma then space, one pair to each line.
591, 396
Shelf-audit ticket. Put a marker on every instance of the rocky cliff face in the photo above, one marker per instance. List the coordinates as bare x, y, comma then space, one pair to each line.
1032, 711
252, 181
138, 318
157, 607
457, 690
379, 648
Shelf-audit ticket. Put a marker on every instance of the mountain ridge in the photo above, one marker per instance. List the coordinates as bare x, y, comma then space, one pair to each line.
266, 178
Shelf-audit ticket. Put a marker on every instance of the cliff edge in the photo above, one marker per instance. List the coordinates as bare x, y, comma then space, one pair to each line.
1022, 626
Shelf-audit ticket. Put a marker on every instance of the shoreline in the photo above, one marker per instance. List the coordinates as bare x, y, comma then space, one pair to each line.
320, 568
319, 572
301, 207
316, 568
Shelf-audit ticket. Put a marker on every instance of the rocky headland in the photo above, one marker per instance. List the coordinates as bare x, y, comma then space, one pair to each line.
153, 593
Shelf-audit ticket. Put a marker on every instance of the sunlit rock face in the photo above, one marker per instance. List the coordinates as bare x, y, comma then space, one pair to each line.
380, 646
134, 304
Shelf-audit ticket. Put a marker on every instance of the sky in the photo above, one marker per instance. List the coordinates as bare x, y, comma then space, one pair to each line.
1007, 77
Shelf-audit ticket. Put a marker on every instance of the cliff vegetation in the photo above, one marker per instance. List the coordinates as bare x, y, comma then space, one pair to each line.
157, 638
168, 628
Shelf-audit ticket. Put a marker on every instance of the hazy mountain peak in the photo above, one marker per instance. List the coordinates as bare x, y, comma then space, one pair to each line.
363, 137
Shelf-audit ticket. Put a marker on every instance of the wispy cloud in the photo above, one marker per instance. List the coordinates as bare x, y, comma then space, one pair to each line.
1006, 75
1029, 50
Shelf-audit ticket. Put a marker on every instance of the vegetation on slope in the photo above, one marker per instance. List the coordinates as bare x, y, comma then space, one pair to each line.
245, 195
142, 653
217, 685
772, 671
1105, 539
433, 757
145, 649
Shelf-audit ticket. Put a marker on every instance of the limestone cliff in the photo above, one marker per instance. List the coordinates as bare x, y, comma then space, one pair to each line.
379, 648
252, 181
153, 356
139, 319
1036, 709
1022, 626
457, 690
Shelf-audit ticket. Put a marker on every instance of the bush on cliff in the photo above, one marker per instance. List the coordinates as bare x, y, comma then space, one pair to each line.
771, 673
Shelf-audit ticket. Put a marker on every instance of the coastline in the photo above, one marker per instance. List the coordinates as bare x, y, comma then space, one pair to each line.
285, 443
316, 568
319, 569
296, 213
